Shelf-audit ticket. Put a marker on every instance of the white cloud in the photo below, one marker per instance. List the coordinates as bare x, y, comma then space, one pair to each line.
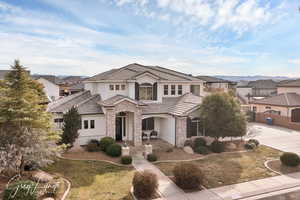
294, 61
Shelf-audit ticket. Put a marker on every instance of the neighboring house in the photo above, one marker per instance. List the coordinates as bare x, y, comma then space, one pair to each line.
288, 86
3, 74
129, 103
256, 89
213, 84
71, 85
284, 108
51, 88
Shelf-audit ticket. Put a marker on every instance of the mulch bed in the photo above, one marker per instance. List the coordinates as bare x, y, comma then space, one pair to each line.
278, 167
3, 183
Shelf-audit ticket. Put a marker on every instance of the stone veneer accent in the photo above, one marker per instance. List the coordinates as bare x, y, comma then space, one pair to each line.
181, 127
124, 106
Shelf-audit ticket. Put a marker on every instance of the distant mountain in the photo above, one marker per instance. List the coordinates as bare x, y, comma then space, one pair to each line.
252, 78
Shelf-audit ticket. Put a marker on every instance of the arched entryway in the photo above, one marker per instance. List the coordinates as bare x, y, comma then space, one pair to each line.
295, 115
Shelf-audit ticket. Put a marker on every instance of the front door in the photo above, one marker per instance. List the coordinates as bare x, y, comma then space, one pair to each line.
120, 127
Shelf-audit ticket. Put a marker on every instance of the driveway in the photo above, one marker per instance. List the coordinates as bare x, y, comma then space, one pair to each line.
276, 137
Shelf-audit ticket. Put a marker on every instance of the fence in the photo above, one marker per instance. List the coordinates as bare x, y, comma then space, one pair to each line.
277, 120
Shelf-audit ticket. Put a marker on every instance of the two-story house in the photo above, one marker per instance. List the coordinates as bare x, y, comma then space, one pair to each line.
130, 102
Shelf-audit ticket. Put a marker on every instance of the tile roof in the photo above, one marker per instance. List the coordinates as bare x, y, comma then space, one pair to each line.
289, 83
86, 103
174, 105
211, 79
111, 101
129, 72
284, 99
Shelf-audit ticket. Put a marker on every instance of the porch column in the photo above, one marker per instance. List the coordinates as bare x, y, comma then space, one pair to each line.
181, 128
137, 137
111, 123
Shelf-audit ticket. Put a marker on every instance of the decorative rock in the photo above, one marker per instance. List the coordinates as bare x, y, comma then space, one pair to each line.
231, 146
188, 150
209, 140
40, 176
125, 151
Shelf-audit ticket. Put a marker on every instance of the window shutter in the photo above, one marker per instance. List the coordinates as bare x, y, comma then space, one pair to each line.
137, 89
155, 91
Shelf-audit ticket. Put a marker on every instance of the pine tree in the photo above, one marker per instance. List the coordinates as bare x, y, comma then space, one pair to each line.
26, 133
72, 121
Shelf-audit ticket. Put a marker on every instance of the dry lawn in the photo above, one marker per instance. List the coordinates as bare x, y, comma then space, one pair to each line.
231, 168
278, 167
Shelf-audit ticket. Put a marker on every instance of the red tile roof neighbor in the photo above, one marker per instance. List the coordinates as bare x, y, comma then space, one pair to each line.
285, 99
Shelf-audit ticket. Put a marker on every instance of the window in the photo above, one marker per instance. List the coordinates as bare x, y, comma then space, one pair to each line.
59, 122
111, 87
146, 91
117, 87
122, 87
195, 89
197, 126
148, 124
254, 108
268, 107
179, 90
86, 124
92, 124
173, 89
166, 90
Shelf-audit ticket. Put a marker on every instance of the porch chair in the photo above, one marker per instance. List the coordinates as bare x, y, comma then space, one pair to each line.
144, 136
154, 134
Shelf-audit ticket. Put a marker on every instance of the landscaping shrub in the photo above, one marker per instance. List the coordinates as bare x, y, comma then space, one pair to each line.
92, 147
25, 191
152, 157
105, 143
217, 146
126, 160
256, 142
188, 143
31, 166
144, 184
188, 176
199, 142
202, 150
290, 159
250, 145
114, 150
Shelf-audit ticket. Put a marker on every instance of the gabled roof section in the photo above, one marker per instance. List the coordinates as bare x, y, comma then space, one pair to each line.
118, 99
148, 73
284, 99
53, 79
90, 106
174, 105
289, 83
263, 84
130, 72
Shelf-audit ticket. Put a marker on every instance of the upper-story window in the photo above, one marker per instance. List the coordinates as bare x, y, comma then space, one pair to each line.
146, 91
123, 87
59, 122
92, 124
117, 87
195, 89
166, 90
111, 87
173, 89
179, 90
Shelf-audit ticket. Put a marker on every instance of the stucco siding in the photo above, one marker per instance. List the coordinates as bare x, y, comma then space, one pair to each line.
167, 129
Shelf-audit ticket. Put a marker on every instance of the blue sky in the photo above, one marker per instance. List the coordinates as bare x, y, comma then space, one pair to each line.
213, 37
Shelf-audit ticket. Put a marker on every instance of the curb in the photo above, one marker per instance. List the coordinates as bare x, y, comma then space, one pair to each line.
269, 168
68, 189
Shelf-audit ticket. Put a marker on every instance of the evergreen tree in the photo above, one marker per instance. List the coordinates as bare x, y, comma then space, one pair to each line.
26, 133
72, 122
222, 116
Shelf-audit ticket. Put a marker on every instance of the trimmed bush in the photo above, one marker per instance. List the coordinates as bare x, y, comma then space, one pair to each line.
126, 160
217, 146
31, 166
290, 159
202, 150
250, 145
144, 184
92, 147
189, 143
152, 157
199, 142
256, 142
25, 191
105, 143
188, 176
114, 150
